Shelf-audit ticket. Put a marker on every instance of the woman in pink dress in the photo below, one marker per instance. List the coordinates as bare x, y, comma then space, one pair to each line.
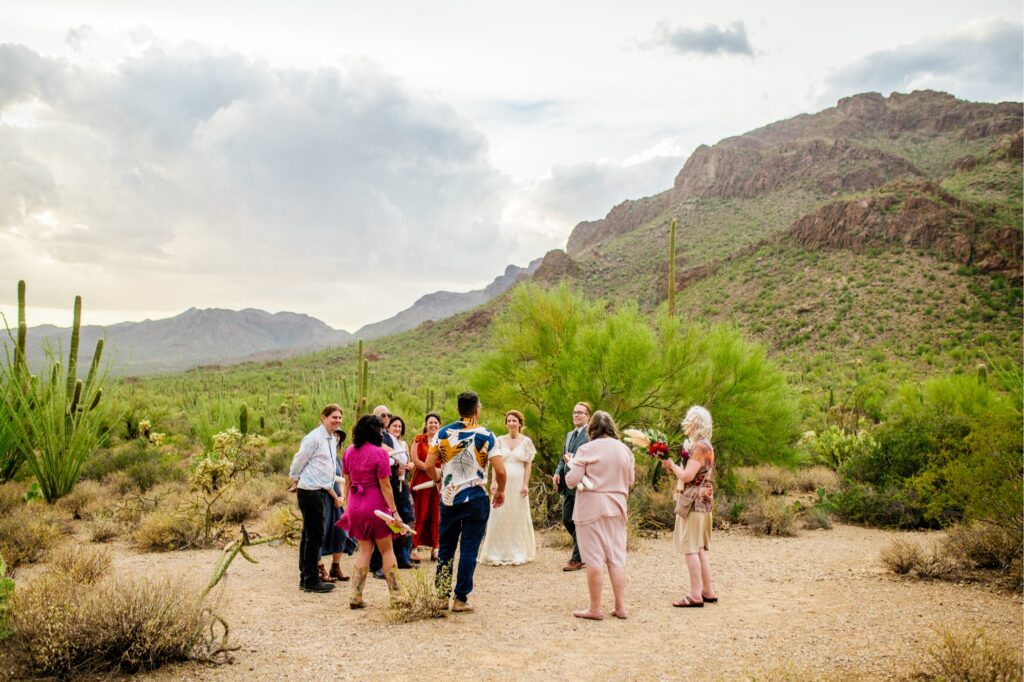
600, 511
368, 490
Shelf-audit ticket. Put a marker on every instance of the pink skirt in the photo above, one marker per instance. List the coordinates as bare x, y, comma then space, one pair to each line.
603, 541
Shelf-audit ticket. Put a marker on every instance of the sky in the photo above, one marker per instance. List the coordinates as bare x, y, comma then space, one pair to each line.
342, 159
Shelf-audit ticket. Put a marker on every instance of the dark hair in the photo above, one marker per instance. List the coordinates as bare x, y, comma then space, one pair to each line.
330, 409
396, 418
367, 430
468, 403
601, 426
435, 415
340, 435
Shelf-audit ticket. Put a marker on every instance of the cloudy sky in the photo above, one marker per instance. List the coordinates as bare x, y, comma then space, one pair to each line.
342, 159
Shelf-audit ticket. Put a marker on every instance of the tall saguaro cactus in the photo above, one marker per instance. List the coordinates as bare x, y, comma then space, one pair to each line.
672, 268
362, 380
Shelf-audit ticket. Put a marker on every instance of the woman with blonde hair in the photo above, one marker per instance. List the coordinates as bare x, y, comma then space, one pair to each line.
694, 503
607, 469
510, 539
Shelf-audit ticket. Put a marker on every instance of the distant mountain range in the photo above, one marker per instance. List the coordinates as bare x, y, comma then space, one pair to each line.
215, 336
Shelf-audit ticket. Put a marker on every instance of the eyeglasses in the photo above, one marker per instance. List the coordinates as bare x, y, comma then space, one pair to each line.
584, 413
384, 416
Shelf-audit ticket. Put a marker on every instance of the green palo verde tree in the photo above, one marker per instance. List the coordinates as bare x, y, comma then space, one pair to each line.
55, 422
554, 348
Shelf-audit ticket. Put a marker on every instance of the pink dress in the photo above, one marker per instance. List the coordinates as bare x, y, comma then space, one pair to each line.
600, 513
363, 467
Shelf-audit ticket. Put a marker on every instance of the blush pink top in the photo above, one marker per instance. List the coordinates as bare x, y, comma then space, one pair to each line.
610, 466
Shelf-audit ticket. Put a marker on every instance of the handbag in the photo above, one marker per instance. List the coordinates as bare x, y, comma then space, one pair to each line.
686, 500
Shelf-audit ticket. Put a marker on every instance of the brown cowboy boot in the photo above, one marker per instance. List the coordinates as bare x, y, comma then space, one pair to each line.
391, 576
358, 581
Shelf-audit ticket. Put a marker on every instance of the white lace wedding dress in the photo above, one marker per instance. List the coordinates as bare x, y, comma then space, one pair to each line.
510, 539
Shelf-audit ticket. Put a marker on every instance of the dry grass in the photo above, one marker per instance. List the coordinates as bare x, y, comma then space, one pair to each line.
163, 531
83, 565
283, 521
770, 516
11, 497
812, 479
253, 497
816, 518
103, 529
86, 500
984, 545
774, 480
64, 629
902, 556
419, 599
26, 532
970, 657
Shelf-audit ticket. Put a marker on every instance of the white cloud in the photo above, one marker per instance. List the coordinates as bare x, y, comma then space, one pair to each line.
707, 40
982, 61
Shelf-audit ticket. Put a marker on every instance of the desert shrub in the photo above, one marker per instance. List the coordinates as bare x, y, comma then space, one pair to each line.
11, 497
65, 629
816, 518
419, 599
103, 528
283, 521
774, 479
983, 546
141, 462
768, 516
891, 506
87, 499
652, 508
278, 460
27, 532
814, 478
834, 447
164, 531
902, 556
970, 657
729, 507
81, 564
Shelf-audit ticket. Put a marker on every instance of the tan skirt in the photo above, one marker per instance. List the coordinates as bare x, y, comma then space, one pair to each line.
603, 541
692, 533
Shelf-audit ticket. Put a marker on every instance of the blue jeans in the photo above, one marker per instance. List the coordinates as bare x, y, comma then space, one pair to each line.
466, 518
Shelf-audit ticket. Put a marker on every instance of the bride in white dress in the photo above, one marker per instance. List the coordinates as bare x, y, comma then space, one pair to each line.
510, 539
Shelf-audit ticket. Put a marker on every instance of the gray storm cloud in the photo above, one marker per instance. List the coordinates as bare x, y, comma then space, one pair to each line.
706, 40
982, 62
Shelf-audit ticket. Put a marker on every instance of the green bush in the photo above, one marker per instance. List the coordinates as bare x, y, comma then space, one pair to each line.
143, 463
889, 506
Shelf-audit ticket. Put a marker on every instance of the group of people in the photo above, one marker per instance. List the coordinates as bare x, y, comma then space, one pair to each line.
364, 503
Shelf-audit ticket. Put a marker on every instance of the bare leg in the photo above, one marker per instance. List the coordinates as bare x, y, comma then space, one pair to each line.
364, 553
705, 574
594, 579
387, 553
617, 574
693, 566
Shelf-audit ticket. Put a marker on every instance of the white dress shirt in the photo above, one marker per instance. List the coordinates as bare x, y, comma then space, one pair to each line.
313, 464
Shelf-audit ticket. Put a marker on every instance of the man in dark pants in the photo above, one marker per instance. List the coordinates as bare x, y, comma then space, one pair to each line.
573, 440
463, 448
312, 472
403, 543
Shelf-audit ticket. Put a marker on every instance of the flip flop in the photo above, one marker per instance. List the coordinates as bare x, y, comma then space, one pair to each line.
686, 603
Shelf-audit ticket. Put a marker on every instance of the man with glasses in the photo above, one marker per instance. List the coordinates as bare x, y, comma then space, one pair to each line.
573, 440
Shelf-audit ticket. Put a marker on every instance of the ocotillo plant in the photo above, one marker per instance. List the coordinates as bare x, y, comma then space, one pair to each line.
672, 268
56, 425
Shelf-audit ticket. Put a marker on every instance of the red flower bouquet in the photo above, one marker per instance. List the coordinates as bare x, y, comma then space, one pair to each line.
651, 441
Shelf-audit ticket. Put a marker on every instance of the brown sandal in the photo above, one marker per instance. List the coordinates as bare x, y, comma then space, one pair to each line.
336, 573
686, 603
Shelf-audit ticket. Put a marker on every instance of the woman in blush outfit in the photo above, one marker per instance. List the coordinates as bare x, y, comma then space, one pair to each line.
510, 539
600, 511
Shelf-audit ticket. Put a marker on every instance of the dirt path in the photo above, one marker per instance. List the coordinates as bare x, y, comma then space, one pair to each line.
818, 602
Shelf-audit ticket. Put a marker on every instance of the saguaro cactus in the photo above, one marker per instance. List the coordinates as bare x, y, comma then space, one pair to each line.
243, 419
672, 268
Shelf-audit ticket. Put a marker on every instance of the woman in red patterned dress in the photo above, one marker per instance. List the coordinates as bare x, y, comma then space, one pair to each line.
426, 503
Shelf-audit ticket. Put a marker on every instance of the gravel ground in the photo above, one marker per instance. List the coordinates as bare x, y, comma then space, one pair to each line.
818, 603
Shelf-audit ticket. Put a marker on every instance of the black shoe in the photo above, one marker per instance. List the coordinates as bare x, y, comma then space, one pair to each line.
319, 586
378, 574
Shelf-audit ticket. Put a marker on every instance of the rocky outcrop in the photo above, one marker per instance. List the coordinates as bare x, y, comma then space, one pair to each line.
624, 218
749, 168
556, 265
915, 215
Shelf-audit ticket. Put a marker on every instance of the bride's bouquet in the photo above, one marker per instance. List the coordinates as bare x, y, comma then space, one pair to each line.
650, 441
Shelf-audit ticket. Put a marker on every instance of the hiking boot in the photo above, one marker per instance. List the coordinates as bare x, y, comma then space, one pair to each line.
459, 606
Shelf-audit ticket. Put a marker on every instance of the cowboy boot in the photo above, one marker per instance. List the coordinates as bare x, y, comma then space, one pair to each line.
391, 576
358, 581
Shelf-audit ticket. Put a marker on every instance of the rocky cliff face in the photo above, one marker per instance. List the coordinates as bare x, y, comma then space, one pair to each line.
851, 147
914, 215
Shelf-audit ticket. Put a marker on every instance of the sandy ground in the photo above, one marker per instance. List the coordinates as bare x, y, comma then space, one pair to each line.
818, 603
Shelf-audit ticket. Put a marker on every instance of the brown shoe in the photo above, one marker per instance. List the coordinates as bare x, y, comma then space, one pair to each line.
461, 607
573, 566
336, 573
